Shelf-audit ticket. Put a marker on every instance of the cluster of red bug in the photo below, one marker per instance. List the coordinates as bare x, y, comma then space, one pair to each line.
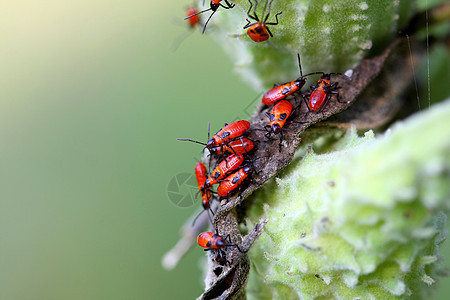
229, 174
315, 99
229, 145
230, 142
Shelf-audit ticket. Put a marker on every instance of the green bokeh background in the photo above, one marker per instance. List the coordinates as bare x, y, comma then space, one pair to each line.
92, 101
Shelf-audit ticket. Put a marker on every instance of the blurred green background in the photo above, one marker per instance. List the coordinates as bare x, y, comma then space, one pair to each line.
93, 98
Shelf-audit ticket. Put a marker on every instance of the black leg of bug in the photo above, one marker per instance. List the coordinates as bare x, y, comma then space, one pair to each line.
229, 5
276, 18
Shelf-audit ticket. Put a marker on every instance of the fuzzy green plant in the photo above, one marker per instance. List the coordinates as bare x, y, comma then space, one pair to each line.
363, 220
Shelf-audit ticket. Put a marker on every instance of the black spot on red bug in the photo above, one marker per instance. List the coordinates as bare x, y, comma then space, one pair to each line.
234, 181
320, 94
286, 90
282, 91
227, 134
224, 135
278, 115
225, 167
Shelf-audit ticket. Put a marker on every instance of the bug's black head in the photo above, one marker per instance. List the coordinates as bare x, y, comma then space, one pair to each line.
206, 183
211, 143
248, 169
276, 128
300, 82
214, 6
213, 150
205, 204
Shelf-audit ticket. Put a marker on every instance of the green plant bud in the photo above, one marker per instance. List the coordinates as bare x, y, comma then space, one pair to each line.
331, 36
364, 220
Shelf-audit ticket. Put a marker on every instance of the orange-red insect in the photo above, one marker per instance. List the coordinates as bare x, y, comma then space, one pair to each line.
233, 181
240, 146
278, 116
213, 6
195, 18
321, 93
213, 241
192, 22
229, 164
201, 174
228, 133
258, 31
282, 91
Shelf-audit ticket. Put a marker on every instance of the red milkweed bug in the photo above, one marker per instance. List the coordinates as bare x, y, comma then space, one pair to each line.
229, 132
201, 176
258, 31
240, 146
278, 115
212, 241
282, 91
321, 93
229, 164
194, 21
228, 185
226, 134
213, 6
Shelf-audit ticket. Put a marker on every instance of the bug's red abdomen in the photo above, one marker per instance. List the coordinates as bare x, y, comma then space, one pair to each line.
204, 239
229, 164
210, 240
279, 114
280, 92
317, 99
258, 32
233, 181
240, 147
230, 132
201, 174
